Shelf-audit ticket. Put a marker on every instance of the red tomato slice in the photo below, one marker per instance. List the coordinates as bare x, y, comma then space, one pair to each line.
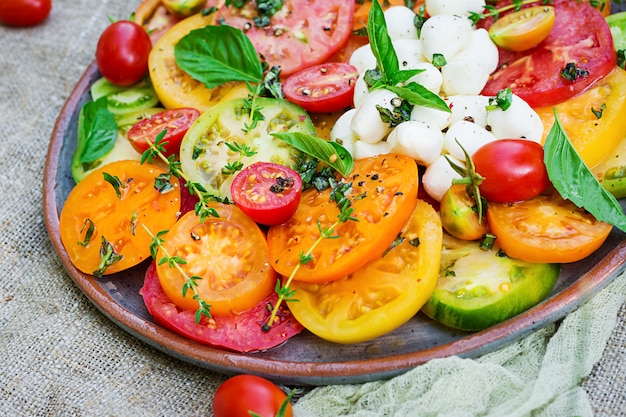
241, 332
301, 34
322, 88
580, 36
268, 193
175, 121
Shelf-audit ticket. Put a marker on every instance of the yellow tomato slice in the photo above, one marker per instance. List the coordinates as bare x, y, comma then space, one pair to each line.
228, 253
175, 87
594, 135
524, 29
546, 229
94, 213
382, 295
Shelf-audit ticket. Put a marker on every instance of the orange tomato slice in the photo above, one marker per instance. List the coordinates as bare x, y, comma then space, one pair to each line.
383, 196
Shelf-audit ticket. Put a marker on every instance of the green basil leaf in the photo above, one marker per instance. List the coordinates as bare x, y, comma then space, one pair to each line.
97, 131
575, 182
215, 55
403, 76
381, 44
331, 153
419, 95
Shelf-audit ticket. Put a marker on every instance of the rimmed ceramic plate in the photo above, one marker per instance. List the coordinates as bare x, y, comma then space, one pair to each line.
306, 359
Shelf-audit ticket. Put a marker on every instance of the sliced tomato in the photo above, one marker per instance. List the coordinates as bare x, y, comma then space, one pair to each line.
175, 122
95, 218
175, 87
383, 197
238, 332
323, 88
228, 253
382, 295
268, 193
546, 229
580, 38
594, 120
301, 34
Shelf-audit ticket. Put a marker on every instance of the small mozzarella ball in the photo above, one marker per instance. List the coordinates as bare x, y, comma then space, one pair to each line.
463, 77
472, 108
409, 53
418, 140
360, 90
400, 24
366, 150
363, 58
481, 49
435, 118
445, 35
342, 133
366, 123
461, 8
518, 121
430, 78
438, 176
469, 135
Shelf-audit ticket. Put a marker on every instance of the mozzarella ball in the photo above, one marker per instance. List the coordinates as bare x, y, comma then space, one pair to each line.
360, 90
438, 176
518, 121
469, 135
400, 24
409, 53
430, 78
445, 35
366, 150
463, 77
480, 49
418, 140
366, 123
363, 58
457, 7
472, 108
436, 118
342, 133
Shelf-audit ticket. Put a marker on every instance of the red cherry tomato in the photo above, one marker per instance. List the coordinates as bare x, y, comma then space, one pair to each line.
268, 193
580, 39
175, 121
322, 88
122, 53
24, 12
513, 170
242, 394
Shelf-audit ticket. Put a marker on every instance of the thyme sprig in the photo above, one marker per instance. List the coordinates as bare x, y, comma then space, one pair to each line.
191, 282
491, 11
339, 195
156, 150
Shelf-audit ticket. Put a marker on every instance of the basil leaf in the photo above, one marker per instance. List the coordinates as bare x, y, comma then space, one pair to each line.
381, 44
419, 95
97, 131
331, 153
403, 76
215, 55
575, 182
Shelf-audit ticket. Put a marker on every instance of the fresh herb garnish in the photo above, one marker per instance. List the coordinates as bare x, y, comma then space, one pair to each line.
492, 11
598, 113
502, 100
115, 183
575, 182
571, 72
108, 257
91, 227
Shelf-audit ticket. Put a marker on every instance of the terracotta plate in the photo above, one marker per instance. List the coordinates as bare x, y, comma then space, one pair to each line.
306, 359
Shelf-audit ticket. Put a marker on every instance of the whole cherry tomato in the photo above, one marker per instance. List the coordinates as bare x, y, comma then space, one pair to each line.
242, 394
513, 170
122, 53
24, 12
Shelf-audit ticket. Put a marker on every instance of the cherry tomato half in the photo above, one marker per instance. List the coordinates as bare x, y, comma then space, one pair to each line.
175, 121
546, 229
459, 215
322, 88
122, 53
242, 394
268, 193
513, 170
523, 29
24, 12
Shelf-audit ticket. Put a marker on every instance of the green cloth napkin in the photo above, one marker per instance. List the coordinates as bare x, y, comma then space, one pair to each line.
538, 376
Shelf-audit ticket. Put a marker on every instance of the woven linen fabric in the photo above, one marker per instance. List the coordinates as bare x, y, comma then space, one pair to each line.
60, 356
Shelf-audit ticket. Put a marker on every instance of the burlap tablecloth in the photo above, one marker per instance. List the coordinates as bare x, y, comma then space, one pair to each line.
58, 354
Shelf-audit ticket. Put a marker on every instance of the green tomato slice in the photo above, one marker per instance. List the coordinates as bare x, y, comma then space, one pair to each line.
478, 288
617, 24
216, 147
